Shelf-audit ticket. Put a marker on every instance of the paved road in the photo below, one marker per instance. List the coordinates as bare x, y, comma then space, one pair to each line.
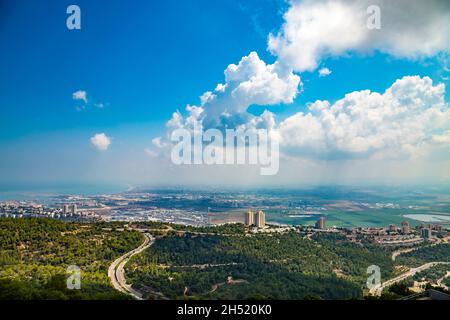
395, 254
116, 269
441, 280
437, 241
376, 291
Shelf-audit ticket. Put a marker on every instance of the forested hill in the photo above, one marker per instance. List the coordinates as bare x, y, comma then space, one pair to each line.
35, 254
221, 262
278, 266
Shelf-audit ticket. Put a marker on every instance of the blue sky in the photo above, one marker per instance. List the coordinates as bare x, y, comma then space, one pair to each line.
143, 61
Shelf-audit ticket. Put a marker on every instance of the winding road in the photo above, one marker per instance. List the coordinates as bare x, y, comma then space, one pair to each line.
116, 269
395, 254
437, 241
440, 282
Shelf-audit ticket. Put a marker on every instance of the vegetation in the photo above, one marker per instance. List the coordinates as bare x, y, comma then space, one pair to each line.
35, 254
230, 229
447, 281
279, 266
438, 253
433, 274
397, 291
196, 263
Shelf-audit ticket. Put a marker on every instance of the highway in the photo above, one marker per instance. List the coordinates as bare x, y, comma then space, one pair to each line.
116, 269
377, 290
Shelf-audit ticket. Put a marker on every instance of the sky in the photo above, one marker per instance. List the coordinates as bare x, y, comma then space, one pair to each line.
349, 104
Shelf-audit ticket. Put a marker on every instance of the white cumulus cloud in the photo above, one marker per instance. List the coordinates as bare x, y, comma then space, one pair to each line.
324, 72
80, 95
316, 29
407, 117
101, 141
250, 82
407, 120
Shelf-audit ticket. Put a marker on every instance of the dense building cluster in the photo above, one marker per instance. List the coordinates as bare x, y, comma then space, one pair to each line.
392, 236
22, 209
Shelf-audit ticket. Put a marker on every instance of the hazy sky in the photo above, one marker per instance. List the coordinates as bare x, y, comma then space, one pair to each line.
349, 104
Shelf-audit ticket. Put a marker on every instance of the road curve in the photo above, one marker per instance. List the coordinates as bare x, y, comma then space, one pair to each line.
377, 290
395, 254
116, 269
440, 282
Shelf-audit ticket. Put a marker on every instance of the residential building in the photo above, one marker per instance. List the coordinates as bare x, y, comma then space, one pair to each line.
260, 219
425, 233
405, 227
392, 228
320, 224
249, 218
